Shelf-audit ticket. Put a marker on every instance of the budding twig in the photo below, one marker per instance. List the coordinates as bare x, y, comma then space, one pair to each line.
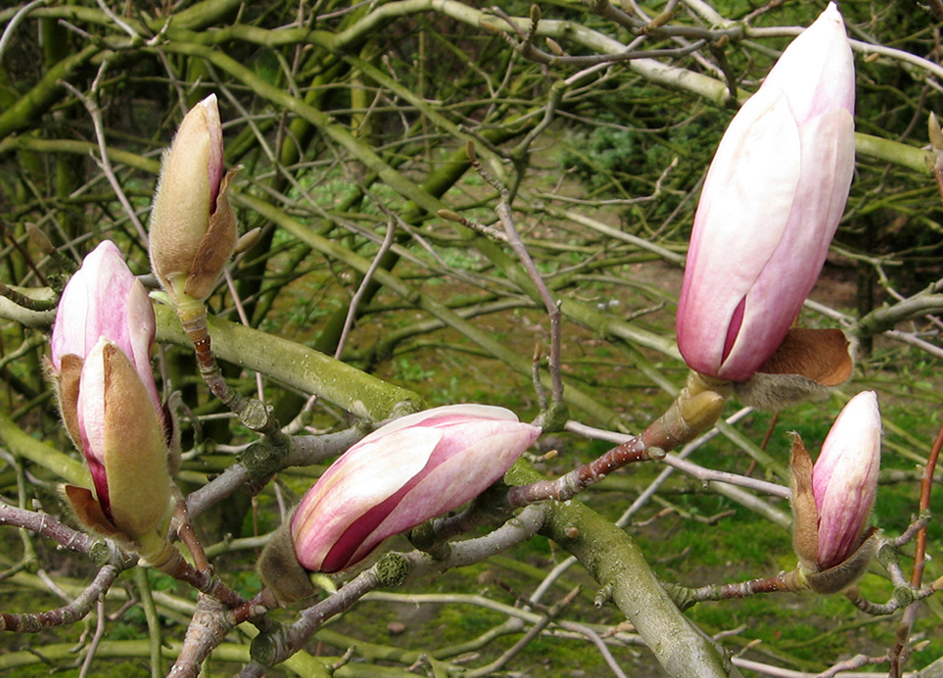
696, 409
23, 301
254, 414
686, 597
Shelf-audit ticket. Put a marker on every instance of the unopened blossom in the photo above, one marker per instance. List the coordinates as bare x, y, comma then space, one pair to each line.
844, 478
832, 499
399, 476
100, 364
770, 205
192, 227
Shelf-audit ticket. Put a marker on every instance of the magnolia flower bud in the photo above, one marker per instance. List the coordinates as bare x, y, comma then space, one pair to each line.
100, 364
399, 476
770, 205
193, 228
832, 500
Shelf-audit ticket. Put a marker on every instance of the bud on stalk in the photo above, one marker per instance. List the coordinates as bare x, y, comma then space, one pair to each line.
771, 202
100, 365
193, 228
832, 500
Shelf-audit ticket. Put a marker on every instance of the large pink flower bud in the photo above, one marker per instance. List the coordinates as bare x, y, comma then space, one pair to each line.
399, 476
832, 499
100, 363
193, 229
771, 202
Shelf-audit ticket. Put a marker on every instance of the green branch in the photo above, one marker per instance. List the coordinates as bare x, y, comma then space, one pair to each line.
615, 561
297, 366
20, 444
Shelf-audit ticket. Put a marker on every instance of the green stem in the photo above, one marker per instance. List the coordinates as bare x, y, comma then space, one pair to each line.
20, 444
153, 621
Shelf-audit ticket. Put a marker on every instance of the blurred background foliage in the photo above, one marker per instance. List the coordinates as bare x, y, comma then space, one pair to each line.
349, 123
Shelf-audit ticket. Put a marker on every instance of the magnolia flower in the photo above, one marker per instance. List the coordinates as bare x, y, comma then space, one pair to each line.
832, 500
396, 478
100, 364
770, 205
193, 229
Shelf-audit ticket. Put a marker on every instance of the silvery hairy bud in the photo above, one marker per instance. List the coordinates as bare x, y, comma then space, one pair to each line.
192, 228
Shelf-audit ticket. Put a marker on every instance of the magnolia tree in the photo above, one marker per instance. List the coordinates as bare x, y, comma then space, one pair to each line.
187, 464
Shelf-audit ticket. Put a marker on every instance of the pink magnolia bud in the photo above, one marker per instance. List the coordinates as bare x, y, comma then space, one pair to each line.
100, 363
104, 299
831, 500
193, 229
770, 205
401, 475
122, 437
845, 476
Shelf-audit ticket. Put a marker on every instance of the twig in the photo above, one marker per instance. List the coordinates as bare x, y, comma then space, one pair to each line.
523, 642
49, 527
898, 654
695, 409
710, 475
23, 301
30, 622
686, 597
153, 621
104, 162
362, 289
96, 639
514, 239
14, 23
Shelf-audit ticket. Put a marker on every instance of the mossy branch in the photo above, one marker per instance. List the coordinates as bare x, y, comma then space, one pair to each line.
297, 366
617, 563
20, 444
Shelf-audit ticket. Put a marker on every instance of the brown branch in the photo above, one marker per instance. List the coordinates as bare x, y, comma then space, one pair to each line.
696, 408
29, 622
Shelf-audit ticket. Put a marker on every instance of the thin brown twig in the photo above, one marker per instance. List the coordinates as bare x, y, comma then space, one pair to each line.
897, 656
550, 303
